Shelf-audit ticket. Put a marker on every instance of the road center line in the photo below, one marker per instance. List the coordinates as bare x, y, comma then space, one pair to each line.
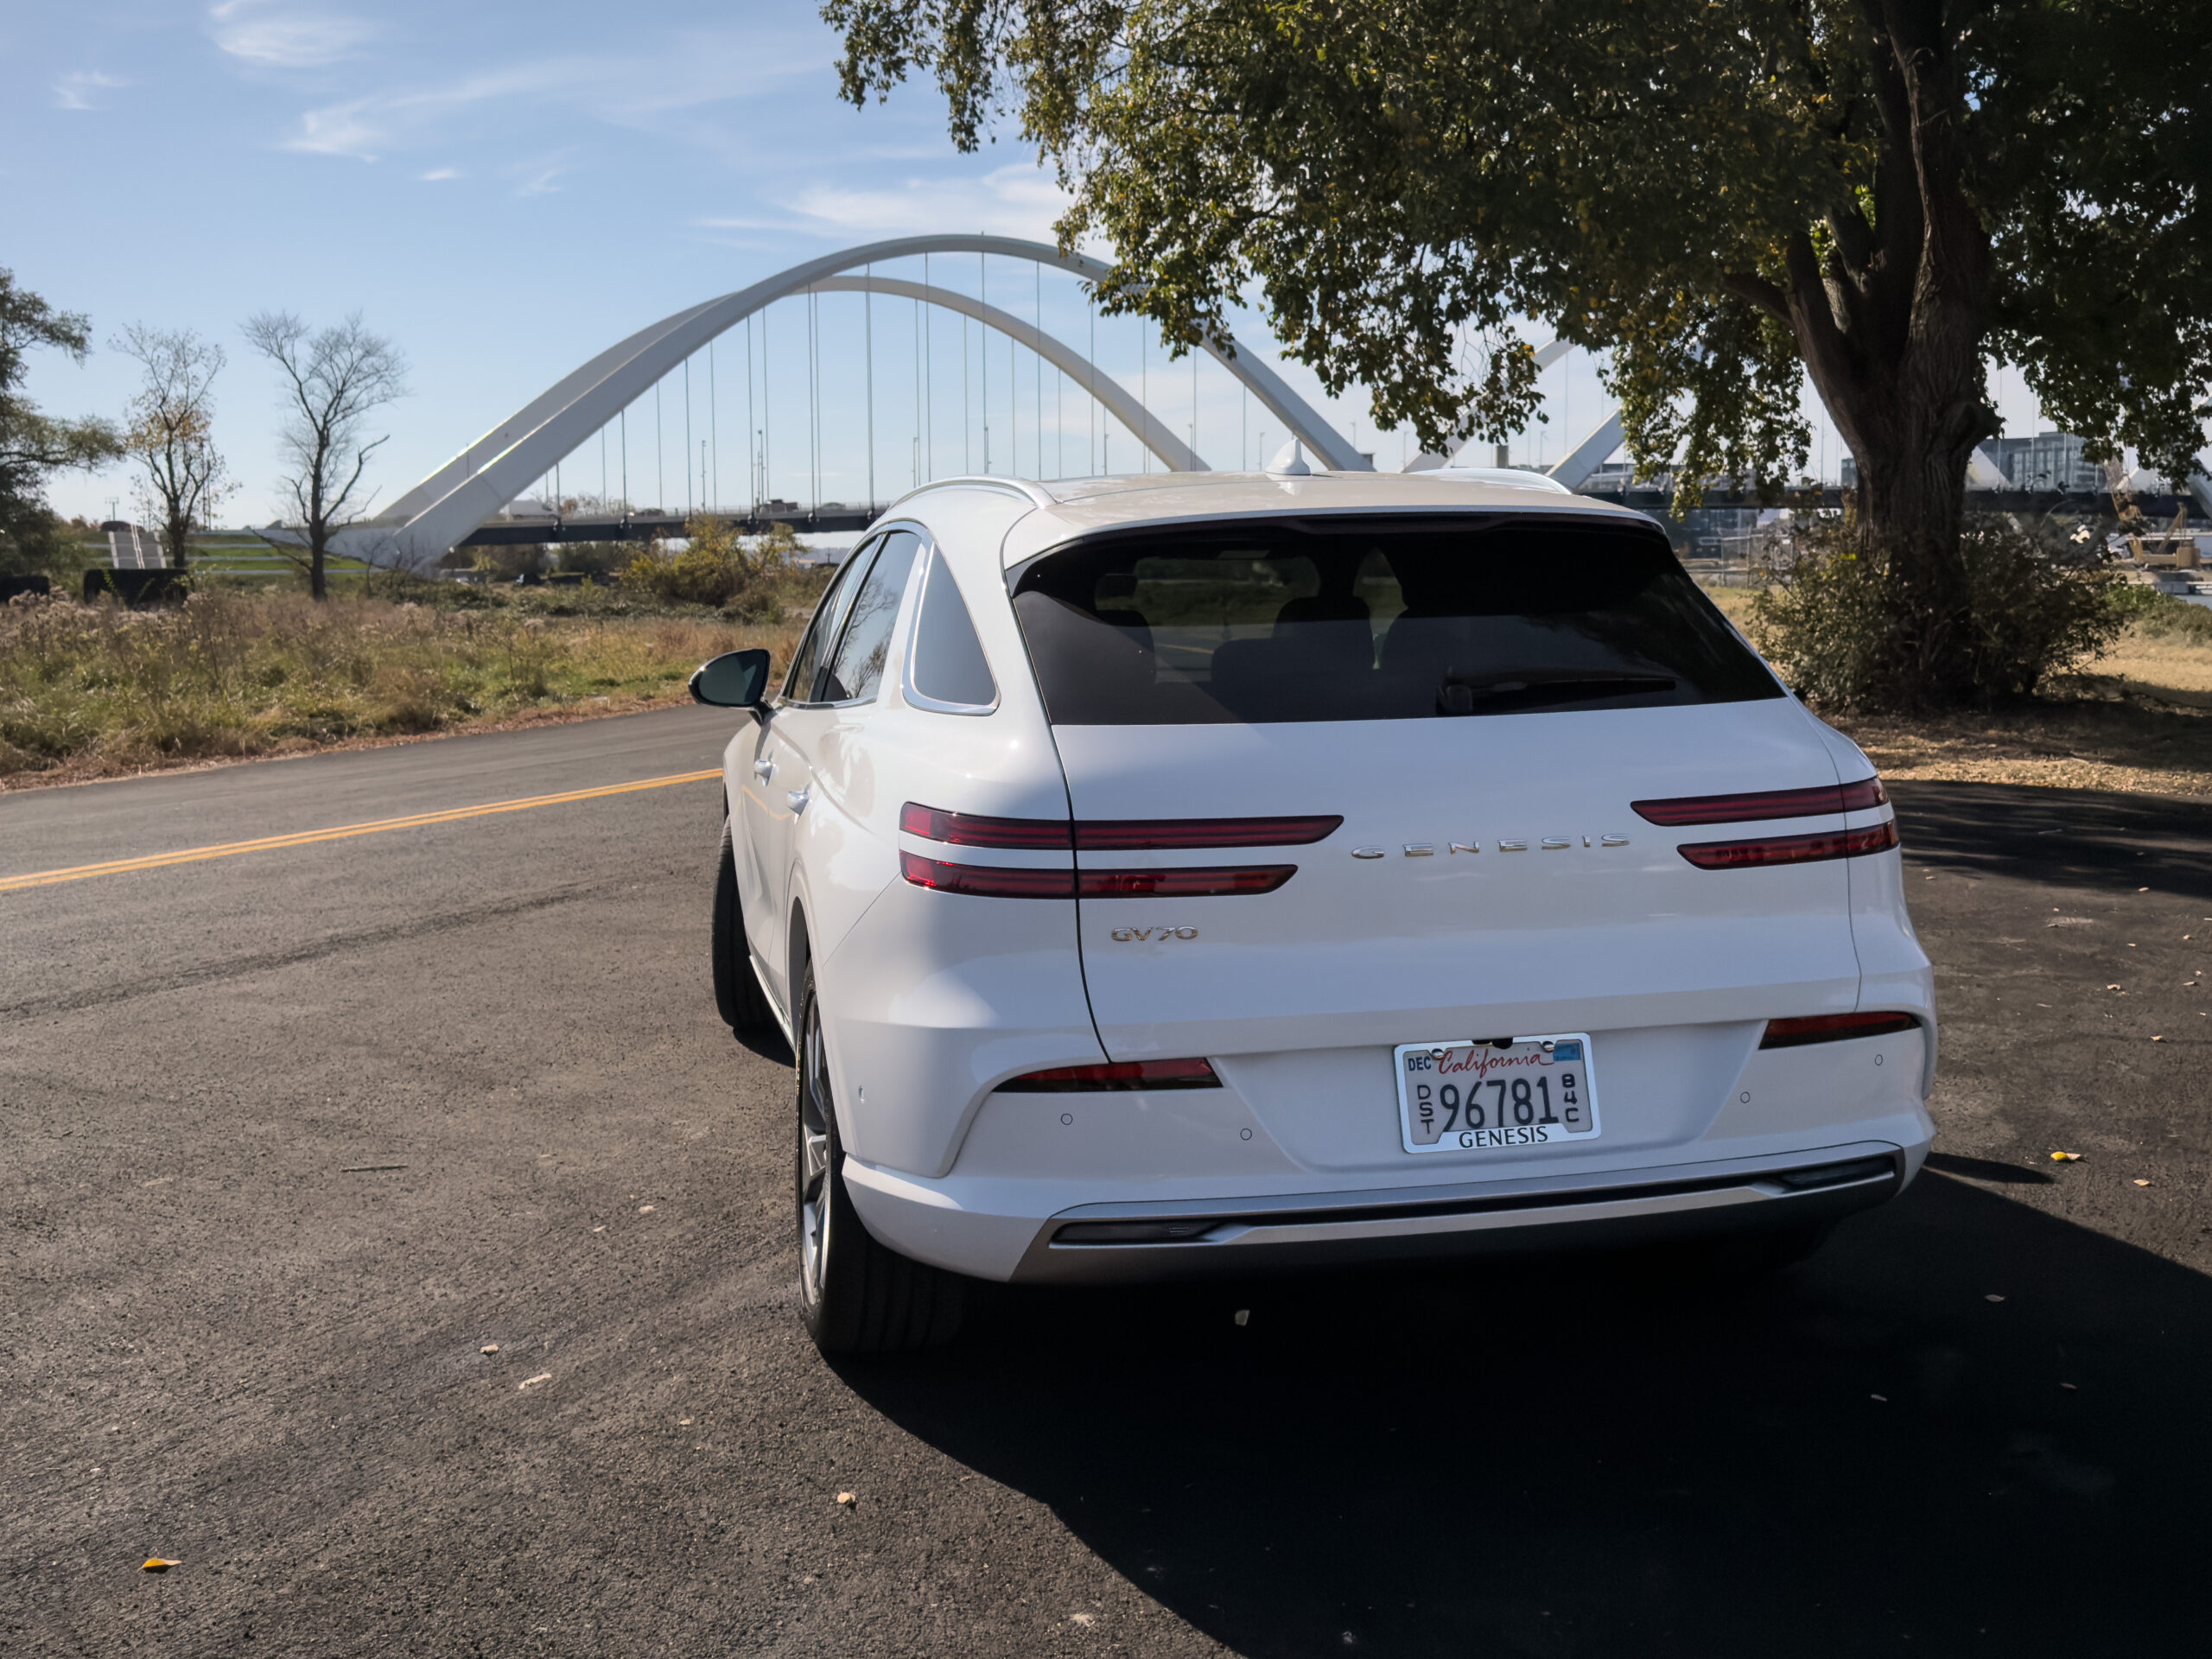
307, 837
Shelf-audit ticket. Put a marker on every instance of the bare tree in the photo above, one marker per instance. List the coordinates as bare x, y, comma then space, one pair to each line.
170, 431
334, 380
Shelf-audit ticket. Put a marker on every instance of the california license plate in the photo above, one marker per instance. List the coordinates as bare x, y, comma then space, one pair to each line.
1512, 1092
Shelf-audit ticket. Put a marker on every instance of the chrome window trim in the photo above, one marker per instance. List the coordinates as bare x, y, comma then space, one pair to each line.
914, 697
879, 538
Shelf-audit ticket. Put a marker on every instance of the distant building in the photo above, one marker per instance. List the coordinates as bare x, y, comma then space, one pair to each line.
2048, 460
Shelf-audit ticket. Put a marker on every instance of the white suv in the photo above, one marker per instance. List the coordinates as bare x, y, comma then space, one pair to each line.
1165, 876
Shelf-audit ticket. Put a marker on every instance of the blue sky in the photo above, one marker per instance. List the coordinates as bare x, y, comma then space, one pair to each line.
504, 190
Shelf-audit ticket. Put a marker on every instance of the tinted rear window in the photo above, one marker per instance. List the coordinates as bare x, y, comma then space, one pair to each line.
1318, 621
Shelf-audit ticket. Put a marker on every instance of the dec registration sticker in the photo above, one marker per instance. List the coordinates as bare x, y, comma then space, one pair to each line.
1480, 1097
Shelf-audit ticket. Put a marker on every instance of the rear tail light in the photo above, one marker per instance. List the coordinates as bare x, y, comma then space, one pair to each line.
1833, 1028
1014, 881
1130, 834
1791, 849
968, 829
986, 880
1123, 1076
1863, 796
1184, 884
1111, 834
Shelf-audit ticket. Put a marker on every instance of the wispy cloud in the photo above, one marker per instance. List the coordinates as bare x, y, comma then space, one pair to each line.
643, 91
1015, 200
74, 90
439, 175
259, 32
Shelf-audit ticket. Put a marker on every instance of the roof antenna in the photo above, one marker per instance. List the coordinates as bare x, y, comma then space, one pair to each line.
1290, 461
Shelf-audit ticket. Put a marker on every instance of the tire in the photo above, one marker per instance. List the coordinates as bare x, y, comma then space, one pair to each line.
738, 995
857, 1297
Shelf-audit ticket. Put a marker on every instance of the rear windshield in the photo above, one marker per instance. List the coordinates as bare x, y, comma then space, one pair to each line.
1312, 620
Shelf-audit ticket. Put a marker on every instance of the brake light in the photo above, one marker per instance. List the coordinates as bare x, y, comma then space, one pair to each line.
1833, 1028
1860, 796
1112, 834
1013, 881
1123, 1075
1184, 884
970, 829
986, 881
1130, 834
1791, 849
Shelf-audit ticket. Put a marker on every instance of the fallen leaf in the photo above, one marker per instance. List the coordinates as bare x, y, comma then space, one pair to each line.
1244, 1316
2158, 1039
1993, 1297
543, 1376
2112, 987
2065, 1157
489, 1348
2142, 1182
2142, 889
846, 1499
1883, 1398
2070, 1387
684, 1422
645, 1209
158, 1564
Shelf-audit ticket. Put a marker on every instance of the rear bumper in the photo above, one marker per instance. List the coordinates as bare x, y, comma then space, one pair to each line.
1092, 1243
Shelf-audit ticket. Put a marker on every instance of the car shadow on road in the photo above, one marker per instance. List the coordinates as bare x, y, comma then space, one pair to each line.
2076, 837
1878, 1451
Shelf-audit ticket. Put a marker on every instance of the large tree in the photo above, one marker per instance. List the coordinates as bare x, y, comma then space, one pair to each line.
333, 380
1886, 193
33, 444
170, 431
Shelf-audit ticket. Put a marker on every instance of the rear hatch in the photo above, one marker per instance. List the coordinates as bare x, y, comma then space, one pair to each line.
1457, 718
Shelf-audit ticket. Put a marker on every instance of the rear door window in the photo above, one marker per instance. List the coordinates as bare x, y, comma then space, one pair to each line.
856, 667
806, 666
1377, 619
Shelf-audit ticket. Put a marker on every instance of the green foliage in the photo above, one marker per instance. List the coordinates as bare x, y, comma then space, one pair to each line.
2160, 615
2036, 605
33, 445
750, 578
1707, 188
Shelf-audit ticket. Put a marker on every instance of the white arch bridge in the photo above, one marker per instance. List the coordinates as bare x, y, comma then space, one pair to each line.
455, 502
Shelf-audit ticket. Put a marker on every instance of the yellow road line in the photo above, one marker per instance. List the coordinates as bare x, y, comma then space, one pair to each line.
307, 837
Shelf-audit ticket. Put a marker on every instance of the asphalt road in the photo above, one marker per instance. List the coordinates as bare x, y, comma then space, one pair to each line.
232, 1336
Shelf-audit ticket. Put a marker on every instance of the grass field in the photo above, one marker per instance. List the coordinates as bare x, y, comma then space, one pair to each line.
98, 691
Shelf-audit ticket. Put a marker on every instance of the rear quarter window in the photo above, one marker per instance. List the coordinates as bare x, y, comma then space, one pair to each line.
1377, 619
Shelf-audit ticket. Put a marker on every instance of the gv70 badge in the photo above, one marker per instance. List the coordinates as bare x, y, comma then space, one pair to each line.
1125, 935
1514, 844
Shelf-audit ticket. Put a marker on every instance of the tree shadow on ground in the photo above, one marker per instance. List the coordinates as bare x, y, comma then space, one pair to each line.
1871, 1453
2079, 837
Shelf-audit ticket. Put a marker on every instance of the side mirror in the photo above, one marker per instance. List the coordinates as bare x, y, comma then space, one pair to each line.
736, 679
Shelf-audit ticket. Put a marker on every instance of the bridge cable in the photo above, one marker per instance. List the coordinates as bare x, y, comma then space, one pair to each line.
868, 337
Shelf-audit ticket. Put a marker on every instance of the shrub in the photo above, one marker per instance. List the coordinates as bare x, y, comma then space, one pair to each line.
2036, 604
742, 575
2160, 616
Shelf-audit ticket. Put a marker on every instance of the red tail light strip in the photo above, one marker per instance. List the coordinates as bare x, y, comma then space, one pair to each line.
968, 829
1833, 1028
986, 881
1184, 884
1860, 796
1791, 849
1001, 882
1126, 1075
1129, 835
1112, 834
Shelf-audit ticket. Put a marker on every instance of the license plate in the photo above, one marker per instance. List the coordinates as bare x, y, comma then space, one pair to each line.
1478, 1096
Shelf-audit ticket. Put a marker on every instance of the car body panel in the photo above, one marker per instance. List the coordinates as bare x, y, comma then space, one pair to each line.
932, 999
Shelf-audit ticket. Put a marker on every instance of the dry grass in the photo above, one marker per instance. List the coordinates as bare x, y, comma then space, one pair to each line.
2139, 721
97, 692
